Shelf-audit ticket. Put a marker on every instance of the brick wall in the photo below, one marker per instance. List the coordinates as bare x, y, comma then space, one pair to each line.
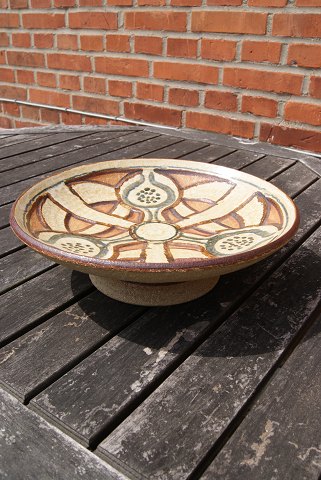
245, 68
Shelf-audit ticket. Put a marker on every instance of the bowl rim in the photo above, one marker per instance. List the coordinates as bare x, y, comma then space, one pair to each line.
61, 256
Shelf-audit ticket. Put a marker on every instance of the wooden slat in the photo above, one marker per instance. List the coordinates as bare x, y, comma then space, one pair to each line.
295, 179
20, 266
42, 355
4, 215
205, 394
185, 326
6, 141
280, 436
8, 242
30, 448
26, 305
238, 159
177, 150
56, 162
37, 143
269, 167
208, 154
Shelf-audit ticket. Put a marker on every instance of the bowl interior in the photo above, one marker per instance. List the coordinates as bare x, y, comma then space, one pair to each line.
154, 213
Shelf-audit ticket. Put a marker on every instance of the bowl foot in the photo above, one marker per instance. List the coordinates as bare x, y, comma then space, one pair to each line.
153, 294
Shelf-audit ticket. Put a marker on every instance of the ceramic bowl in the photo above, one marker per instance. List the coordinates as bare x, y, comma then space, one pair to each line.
154, 231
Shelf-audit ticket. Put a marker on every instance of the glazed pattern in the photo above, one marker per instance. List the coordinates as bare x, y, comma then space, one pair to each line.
155, 215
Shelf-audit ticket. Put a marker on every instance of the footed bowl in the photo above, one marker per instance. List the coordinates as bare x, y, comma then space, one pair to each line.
154, 231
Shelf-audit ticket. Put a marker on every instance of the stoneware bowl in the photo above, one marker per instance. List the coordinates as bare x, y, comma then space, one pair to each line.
154, 231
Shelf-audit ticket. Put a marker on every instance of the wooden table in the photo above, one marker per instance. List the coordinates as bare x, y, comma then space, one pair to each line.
225, 387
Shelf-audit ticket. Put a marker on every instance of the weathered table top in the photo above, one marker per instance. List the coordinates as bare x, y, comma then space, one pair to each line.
225, 387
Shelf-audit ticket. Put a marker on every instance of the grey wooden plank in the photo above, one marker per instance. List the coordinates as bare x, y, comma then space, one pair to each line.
6, 141
280, 437
268, 167
36, 143
92, 154
67, 156
238, 159
32, 302
4, 215
208, 154
178, 150
20, 266
205, 394
295, 179
8, 242
130, 365
37, 358
69, 145
32, 449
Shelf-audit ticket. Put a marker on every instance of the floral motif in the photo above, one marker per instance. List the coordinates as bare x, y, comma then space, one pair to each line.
155, 215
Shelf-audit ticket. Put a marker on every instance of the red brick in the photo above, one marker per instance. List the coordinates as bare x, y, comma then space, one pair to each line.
148, 3
43, 20
49, 116
260, 106
303, 112
291, 137
4, 39
8, 91
43, 40
30, 112
263, 80
308, 3
219, 100
119, 88
21, 40
153, 114
96, 20
229, 22
186, 3
149, 45
90, 3
45, 79
315, 87
94, 85
223, 50
95, 121
122, 66
18, 4
67, 42
117, 43
9, 20
19, 124
25, 76
149, 91
217, 123
26, 59
6, 75
2, 58
11, 109
71, 118
234, 3
305, 55
95, 105
267, 3
69, 82
6, 123
261, 51
49, 97
64, 3
182, 47
63, 61
120, 3
93, 43
4, 4
41, 3
165, 21
186, 72
184, 97
297, 25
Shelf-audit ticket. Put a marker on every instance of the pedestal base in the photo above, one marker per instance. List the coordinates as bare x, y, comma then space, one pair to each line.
153, 294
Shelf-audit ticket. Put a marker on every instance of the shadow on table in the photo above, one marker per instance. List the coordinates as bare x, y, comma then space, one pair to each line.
263, 323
